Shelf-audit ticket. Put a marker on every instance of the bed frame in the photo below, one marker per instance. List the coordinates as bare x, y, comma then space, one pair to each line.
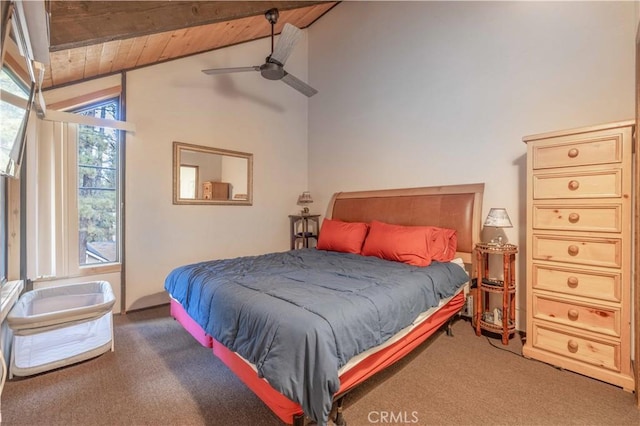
456, 207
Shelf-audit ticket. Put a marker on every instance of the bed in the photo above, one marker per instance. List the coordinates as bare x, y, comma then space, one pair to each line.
302, 328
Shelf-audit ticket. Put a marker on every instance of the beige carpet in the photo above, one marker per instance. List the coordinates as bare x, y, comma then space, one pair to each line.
159, 375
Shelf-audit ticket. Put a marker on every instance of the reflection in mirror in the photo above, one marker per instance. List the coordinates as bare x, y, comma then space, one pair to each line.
189, 182
205, 175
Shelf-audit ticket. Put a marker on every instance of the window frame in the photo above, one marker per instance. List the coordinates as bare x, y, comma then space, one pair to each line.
4, 226
118, 186
9, 262
55, 239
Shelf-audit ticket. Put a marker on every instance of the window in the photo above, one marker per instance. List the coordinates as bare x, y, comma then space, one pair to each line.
74, 188
11, 131
98, 182
189, 182
13, 123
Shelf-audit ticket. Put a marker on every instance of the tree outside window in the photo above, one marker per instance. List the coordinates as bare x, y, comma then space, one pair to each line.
99, 187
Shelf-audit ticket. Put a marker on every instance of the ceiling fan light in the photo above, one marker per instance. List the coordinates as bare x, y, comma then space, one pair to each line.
272, 71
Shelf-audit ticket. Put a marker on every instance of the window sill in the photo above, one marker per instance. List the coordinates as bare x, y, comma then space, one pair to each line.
10, 292
85, 271
101, 269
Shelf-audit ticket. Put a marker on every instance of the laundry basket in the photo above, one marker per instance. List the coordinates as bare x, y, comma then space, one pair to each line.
57, 326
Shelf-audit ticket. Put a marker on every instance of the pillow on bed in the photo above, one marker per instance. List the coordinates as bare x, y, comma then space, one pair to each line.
407, 244
346, 237
443, 243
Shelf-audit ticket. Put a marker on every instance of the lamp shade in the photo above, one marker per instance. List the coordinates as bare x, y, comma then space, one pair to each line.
498, 218
305, 198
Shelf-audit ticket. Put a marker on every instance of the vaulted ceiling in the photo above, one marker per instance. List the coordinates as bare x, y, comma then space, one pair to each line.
95, 38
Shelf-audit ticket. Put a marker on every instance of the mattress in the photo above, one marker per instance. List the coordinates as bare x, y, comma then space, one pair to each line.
375, 360
338, 304
395, 338
205, 340
356, 370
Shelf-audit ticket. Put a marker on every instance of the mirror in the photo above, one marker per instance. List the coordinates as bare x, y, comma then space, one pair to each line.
205, 175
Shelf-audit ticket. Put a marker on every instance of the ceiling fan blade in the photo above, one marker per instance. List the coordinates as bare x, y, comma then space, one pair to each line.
229, 70
298, 84
289, 36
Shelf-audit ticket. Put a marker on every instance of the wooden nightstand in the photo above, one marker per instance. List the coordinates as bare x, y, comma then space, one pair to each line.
484, 317
303, 229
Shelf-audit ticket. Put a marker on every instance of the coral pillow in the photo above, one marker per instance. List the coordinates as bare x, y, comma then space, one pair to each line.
407, 244
443, 243
346, 237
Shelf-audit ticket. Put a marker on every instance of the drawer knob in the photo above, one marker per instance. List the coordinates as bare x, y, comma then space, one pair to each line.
572, 345
573, 185
573, 250
572, 314
574, 217
573, 153
572, 282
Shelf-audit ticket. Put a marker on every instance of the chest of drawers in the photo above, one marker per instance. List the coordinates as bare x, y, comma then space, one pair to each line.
579, 250
215, 191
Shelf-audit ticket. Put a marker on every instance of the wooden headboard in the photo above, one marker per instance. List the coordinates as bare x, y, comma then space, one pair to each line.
456, 207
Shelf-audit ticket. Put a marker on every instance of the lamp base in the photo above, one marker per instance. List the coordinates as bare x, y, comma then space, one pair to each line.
304, 211
497, 242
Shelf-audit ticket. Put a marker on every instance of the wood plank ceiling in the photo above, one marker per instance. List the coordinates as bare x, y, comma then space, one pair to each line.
96, 38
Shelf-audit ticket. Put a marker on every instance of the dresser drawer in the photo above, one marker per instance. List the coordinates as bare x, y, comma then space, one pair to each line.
602, 150
596, 218
598, 352
593, 184
597, 319
575, 282
580, 250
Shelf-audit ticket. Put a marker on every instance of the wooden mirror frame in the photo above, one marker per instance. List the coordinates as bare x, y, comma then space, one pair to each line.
178, 147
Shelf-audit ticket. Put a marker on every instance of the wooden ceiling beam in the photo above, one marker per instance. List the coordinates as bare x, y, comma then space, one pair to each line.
83, 23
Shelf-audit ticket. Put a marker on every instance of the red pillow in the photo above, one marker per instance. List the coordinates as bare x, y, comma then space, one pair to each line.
346, 237
407, 244
442, 244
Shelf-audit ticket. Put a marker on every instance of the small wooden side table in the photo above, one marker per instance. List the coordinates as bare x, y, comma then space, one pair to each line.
506, 287
303, 228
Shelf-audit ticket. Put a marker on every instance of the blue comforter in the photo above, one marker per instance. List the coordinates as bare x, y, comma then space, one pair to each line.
301, 315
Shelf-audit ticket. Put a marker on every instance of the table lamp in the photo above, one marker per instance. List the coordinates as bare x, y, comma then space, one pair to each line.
498, 218
303, 200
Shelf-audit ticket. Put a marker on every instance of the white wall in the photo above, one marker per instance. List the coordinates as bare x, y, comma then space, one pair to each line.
234, 171
430, 93
175, 101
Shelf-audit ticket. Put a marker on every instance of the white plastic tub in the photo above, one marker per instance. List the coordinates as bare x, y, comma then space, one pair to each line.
57, 326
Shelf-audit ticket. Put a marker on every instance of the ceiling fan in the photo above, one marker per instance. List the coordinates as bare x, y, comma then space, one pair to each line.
273, 68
